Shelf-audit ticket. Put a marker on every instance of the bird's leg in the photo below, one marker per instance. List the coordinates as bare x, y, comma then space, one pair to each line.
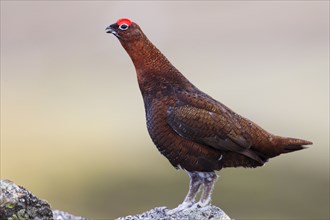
195, 183
209, 179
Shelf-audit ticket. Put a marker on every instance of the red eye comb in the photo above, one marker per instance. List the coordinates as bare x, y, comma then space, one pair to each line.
124, 21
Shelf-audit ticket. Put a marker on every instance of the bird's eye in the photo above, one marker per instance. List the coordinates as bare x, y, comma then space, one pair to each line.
123, 27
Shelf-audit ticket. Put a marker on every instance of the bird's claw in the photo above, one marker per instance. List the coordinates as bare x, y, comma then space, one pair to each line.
181, 207
198, 205
187, 205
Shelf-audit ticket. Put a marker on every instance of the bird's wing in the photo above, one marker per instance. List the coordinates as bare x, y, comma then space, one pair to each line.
209, 128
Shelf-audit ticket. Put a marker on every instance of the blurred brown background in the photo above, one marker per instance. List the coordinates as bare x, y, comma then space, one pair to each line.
72, 117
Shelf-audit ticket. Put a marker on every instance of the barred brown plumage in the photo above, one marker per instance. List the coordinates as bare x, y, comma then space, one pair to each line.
191, 129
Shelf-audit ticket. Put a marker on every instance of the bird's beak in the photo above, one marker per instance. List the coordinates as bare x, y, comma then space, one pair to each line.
109, 29
112, 30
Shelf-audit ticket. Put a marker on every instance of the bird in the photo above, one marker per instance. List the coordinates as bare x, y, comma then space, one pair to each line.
191, 129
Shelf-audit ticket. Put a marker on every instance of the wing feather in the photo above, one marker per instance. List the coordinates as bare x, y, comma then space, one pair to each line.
209, 128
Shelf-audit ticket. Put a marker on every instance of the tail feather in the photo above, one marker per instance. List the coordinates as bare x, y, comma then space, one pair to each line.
291, 148
293, 144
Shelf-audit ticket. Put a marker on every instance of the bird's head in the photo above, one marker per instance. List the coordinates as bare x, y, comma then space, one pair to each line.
125, 30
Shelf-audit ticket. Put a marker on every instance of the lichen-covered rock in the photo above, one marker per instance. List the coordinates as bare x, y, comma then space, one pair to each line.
17, 203
210, 212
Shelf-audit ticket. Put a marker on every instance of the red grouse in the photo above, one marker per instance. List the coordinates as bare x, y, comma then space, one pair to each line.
191, 129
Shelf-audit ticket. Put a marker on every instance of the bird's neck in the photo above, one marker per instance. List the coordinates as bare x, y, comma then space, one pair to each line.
152, 67
147, 59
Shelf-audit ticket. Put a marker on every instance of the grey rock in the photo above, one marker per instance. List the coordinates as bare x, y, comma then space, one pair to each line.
60, 215
18, 203
210, 212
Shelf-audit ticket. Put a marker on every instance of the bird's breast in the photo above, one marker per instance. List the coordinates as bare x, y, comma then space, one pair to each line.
181, 152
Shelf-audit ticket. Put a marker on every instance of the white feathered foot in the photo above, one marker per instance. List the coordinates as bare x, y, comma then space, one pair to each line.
198, 180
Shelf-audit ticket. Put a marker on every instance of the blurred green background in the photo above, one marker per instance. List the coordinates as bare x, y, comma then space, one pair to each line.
72, 117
